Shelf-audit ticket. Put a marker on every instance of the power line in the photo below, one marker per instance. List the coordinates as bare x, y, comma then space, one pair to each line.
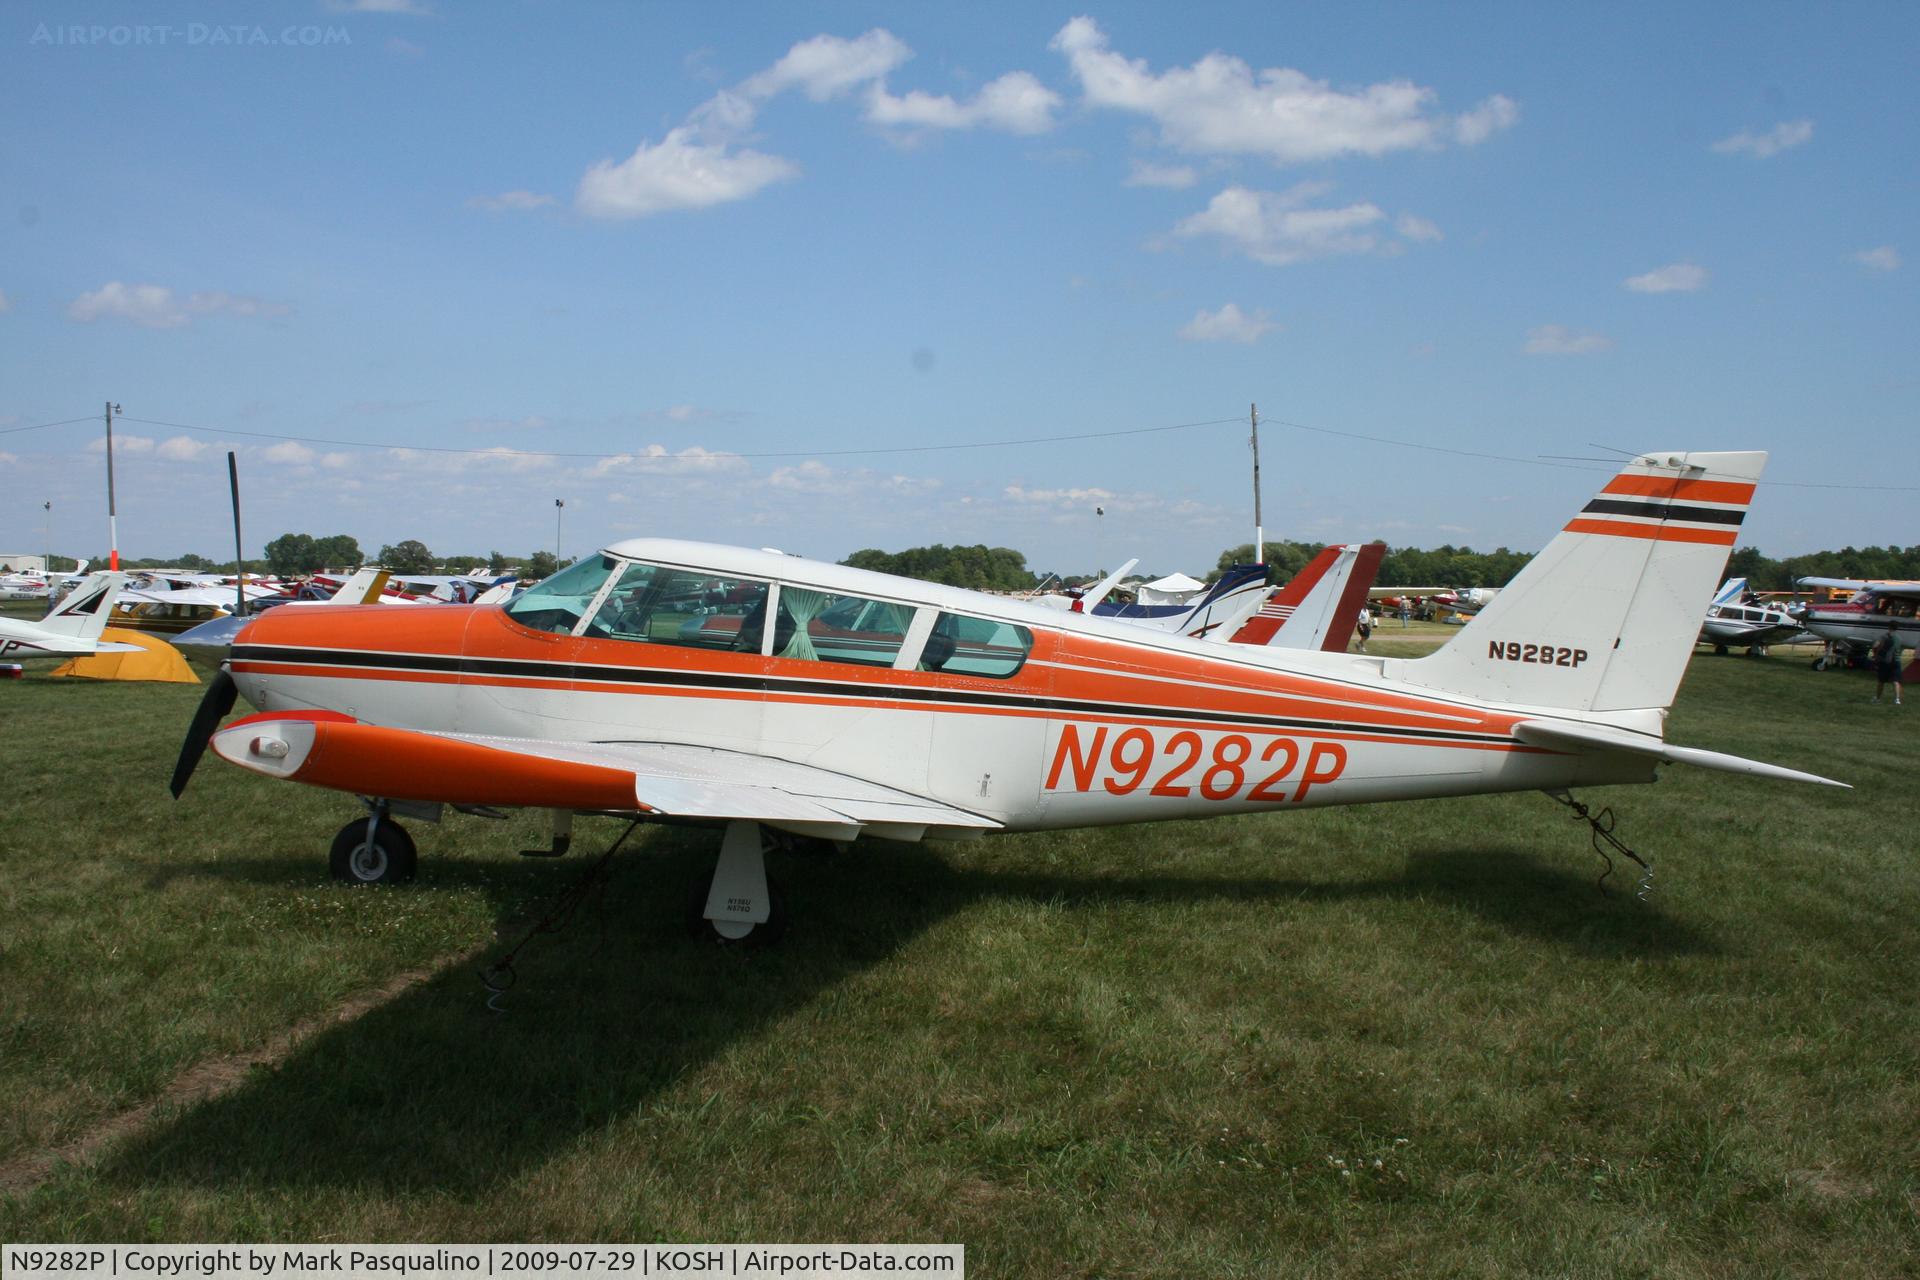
42, 426
783, 453
1549, 460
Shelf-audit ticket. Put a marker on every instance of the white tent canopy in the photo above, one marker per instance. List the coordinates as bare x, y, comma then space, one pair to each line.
1175, 588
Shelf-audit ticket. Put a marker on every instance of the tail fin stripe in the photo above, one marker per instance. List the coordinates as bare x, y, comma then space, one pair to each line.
1655, 532
1645, 486
1666, 511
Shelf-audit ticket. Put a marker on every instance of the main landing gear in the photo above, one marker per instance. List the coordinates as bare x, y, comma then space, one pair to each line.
739, 907
373, 850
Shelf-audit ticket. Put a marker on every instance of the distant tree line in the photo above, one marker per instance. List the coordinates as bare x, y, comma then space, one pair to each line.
1444, 566
979, 567
1765, 574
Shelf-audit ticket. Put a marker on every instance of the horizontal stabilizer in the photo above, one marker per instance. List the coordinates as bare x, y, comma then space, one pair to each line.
1585, 738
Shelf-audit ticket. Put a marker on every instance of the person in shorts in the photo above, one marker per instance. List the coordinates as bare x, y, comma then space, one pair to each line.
1886, 665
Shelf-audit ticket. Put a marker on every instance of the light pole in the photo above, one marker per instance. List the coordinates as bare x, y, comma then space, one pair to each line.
47, 506
559, 510
113, 524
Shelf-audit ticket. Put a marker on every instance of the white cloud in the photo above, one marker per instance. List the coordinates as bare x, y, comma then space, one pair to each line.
181, 449
1228, 324
1058, 497
1677, 277
1885, 258
155, 306
1414, 227
150, 305
1276, 227
122, 443
1782, 137
1558, 340
510, 200
1490, 117
1016, 103
828, 66
676, 173
1220, 106
1171, 176
658, 460
290, 453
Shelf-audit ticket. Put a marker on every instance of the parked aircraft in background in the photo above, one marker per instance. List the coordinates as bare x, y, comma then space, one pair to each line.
1851, 627
1734, 621
950, 713
72, 629
1317, 609
32, 584
1230, 601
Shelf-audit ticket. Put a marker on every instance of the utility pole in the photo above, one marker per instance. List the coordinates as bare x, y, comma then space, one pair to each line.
47, 506
239, 562
559, 509
1259, 532
113, 522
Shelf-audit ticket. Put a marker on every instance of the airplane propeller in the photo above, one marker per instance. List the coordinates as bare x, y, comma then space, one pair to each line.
218, 700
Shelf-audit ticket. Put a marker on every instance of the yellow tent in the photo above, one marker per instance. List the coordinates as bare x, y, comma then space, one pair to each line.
155, 660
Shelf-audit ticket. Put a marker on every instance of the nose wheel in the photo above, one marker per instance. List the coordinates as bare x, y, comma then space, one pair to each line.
373, 850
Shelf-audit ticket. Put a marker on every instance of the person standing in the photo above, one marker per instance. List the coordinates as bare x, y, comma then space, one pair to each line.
1886, 664
1366, 626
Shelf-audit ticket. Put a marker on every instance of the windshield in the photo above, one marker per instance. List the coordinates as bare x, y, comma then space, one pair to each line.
558, 603
658, 605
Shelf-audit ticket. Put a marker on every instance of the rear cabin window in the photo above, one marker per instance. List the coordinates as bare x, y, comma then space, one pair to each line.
965, 646
658, 605
826, 627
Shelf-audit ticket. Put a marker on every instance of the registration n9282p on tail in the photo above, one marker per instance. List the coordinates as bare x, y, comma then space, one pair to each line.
773, 696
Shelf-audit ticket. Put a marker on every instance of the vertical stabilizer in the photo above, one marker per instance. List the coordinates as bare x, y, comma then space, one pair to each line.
84, 614
1318, 607
1605, 618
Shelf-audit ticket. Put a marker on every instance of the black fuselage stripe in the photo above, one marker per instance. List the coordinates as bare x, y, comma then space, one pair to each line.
1663, 511
589, 673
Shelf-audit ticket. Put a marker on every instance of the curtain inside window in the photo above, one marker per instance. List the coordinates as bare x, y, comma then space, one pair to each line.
802, 606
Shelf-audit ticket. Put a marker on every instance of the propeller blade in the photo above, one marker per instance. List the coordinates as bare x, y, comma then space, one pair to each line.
221, 692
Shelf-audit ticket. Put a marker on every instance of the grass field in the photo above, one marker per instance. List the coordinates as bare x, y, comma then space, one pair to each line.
1396, 1039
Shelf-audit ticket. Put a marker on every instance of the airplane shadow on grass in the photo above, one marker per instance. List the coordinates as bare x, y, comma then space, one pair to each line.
433, 1091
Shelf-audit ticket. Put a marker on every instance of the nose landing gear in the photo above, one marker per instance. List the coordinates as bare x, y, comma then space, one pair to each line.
373, 850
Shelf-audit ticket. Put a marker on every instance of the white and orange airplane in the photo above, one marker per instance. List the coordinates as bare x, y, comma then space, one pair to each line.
753, 691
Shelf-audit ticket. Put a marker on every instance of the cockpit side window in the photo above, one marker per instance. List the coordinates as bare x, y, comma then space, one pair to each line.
655, 604
558, 603
968, 646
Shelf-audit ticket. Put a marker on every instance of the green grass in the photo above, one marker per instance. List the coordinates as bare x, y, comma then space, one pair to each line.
1357, 1041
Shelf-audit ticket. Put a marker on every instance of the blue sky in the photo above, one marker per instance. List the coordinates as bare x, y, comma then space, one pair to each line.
713, 251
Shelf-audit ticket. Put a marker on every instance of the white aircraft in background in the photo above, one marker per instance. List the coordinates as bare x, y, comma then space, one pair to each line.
33, 584
929, 712
72, 629
1853, 626
1732, 624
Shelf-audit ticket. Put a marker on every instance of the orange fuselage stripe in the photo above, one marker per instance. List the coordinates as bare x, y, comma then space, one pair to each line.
1655, 532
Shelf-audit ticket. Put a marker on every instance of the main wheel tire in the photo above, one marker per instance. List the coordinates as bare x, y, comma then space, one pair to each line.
389, 858
754, 936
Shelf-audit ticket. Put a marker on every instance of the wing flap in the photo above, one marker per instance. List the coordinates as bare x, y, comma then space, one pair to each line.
1562, 735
